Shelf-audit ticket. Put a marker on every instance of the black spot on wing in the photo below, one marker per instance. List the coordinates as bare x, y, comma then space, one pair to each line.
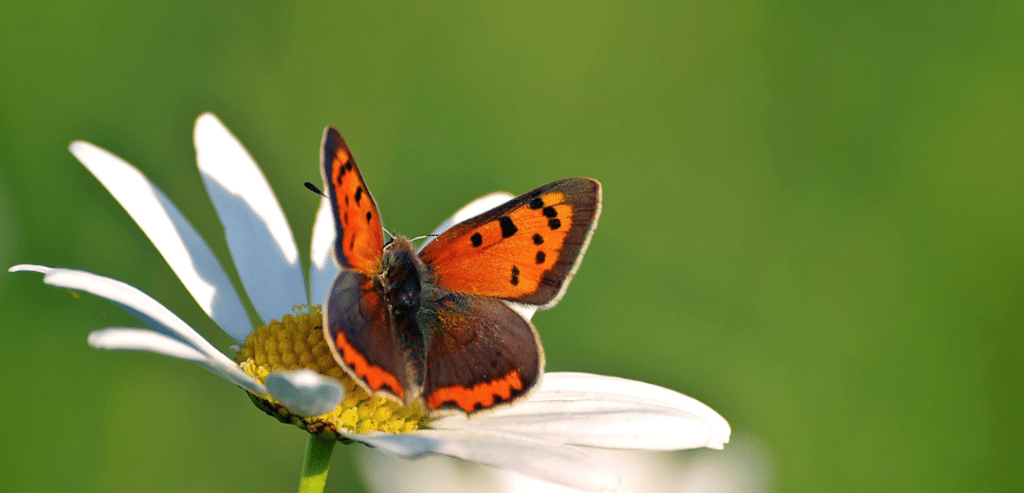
508, 228
536, 203
538, 239
476, 239
515, 275
550, 212
540, 257
554, 223
368, 216
359, 194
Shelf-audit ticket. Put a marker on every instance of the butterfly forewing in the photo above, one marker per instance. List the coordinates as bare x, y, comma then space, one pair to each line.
359, 235
525, 250
479, 353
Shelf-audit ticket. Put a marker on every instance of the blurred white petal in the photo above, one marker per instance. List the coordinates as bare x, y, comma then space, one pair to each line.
746, 466
550, 461
258, 235
384, 473
305, 392
173, 236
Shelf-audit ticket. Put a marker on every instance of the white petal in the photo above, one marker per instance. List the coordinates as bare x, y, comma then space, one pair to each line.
322, 269
132, 300
542, 459
148, 310
146, 340
174, 237
601, 411
559, 383
257, 232
305, 392
472, 209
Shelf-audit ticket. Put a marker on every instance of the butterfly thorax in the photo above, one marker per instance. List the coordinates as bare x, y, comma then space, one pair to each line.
401, 273
401, 278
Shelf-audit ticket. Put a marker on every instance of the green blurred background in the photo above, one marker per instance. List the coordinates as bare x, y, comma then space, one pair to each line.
813, 214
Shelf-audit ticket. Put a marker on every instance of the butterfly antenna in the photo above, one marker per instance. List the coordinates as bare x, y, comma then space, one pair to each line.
423, 236
392, 235
314, 189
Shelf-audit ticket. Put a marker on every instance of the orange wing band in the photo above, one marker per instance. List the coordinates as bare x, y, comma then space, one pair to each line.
479, 396
374, 376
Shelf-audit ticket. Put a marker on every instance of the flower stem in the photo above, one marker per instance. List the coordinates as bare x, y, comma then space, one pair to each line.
317, 464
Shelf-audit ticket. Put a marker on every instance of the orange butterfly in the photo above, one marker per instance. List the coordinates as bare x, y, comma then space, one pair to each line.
436, 325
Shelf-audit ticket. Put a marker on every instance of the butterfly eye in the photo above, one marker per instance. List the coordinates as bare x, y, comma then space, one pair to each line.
408, 299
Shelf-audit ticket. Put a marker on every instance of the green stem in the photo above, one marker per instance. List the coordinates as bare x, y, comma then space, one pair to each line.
317, 464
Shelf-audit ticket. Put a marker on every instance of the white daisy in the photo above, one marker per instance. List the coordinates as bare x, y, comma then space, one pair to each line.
538, 436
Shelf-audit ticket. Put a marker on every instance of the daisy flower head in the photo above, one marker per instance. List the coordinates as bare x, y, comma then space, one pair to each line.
287, 368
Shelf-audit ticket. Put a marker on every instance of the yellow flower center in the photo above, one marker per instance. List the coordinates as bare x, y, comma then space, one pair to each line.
297, 342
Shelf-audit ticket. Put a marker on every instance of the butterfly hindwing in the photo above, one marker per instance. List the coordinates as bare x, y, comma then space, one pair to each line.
525, 250
359, 235
479, 353
362, 335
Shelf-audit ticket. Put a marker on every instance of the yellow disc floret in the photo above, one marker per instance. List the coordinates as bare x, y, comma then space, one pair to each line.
297, 342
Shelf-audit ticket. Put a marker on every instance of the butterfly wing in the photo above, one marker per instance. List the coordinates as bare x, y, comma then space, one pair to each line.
525, 250
359, 234
362, 336
357, 324
479, 353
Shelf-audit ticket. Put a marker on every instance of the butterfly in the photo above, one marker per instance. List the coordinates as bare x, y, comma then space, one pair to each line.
437, 326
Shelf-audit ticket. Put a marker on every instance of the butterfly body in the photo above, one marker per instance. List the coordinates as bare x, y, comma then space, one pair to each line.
438, 325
